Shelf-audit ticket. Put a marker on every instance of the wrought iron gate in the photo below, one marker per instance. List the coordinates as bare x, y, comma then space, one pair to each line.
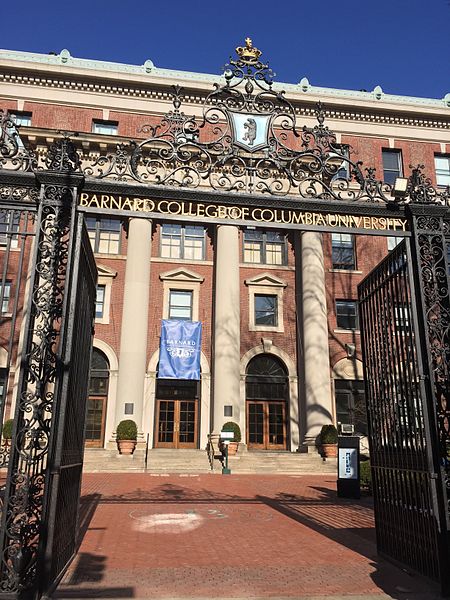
40, 507
63, 491
401, 326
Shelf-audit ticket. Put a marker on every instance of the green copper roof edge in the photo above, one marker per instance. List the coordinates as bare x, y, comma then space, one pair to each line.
65, 59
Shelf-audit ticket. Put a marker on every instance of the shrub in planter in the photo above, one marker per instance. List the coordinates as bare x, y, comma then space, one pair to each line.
328, 441
7, 429
126, 435
231, 426
365, 475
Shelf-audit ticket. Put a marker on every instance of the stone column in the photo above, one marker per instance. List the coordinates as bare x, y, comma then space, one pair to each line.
227, 326
133, 338
316, 367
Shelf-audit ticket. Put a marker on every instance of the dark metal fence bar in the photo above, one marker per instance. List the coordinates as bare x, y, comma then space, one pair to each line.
407, 466
17, 230
63, 495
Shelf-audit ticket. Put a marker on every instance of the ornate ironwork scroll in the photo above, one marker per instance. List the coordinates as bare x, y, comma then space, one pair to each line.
245, 141
24, 511
433, 280
13, 154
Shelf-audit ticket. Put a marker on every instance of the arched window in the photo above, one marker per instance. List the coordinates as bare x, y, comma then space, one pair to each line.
97, 400
267, 395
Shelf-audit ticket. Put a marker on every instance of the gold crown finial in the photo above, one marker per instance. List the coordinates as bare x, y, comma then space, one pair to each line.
248, 53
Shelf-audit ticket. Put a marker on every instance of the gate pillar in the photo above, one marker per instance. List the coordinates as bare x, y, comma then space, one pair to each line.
431, 283
25, 516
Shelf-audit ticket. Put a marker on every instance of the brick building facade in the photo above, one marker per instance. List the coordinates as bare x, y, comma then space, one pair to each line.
281, 352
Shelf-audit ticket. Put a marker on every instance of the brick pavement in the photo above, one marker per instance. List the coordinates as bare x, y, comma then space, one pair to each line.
241, 536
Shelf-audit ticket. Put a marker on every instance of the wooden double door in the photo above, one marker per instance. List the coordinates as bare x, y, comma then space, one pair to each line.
177, 422
266, 425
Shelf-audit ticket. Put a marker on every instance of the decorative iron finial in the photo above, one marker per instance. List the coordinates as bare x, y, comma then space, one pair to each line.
62, 155
248, 53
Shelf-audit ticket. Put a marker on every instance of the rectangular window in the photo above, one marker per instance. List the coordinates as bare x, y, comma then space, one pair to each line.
5, 295
347, 314
9, 224
442, 166
266, 310
105, 127
342, 165
343, 251
180, 305
392, 165
183, 241
2, 383
401, 314
100, 301
21, 118
393, 242
351, 404
104, 235
264, 247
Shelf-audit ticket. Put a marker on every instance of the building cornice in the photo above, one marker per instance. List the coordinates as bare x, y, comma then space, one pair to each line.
149, 82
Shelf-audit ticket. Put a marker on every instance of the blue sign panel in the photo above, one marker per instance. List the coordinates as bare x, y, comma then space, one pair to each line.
179, 352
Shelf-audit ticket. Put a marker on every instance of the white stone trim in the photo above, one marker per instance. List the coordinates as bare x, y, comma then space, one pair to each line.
181, 279
270, 285
105, 277
294, 409
110, 424
3, 357
148, 417
346, 368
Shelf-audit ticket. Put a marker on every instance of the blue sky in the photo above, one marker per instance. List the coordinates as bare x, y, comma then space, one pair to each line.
402, 45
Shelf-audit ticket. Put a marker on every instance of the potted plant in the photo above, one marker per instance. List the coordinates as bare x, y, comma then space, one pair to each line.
328, 441
233, 445
126, 435
7, 431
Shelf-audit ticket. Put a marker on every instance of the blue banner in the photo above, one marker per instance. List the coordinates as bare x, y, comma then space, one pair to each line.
179, 352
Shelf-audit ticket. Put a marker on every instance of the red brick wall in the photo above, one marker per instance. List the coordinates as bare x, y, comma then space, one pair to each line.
342, 285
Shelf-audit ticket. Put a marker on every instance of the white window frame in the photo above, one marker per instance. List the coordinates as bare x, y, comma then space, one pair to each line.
337, 237
393, 241
105, 127
265, 285
184, 292
183, 280
348, 301
105, 278
183, 237
398, 153
6, 298
21, 118
443, 174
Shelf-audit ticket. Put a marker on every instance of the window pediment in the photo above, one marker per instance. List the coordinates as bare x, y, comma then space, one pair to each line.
266, 279
105, 271
182, 274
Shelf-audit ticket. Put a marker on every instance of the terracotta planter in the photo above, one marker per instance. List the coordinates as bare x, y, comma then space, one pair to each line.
233, 448
329, 450
126, 446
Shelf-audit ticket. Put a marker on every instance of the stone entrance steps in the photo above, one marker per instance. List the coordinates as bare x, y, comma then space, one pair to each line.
290, 463
196, 461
